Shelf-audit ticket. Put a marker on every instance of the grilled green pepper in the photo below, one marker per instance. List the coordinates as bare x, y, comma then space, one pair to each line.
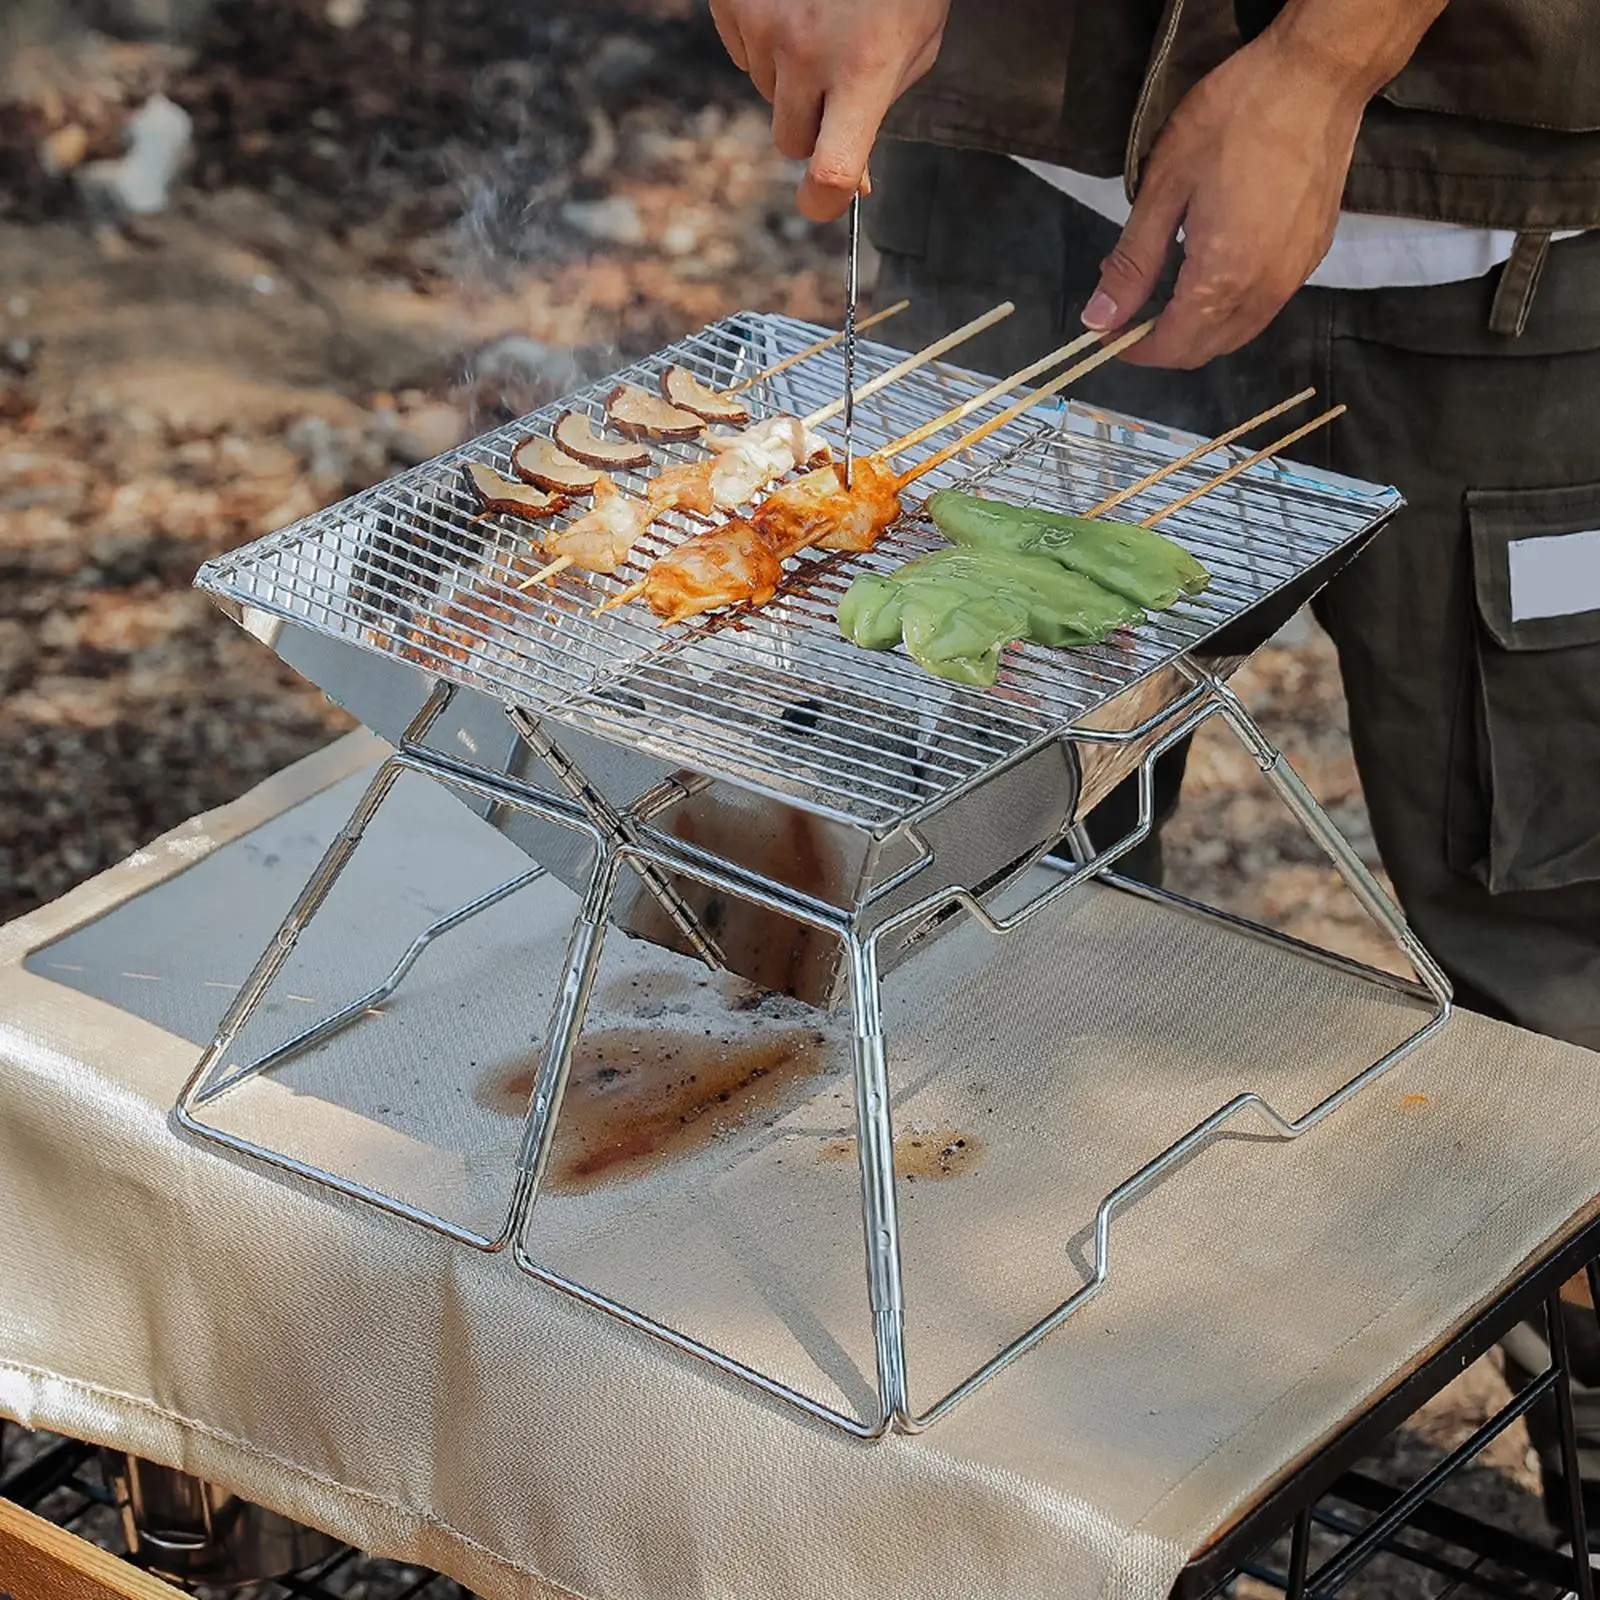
869, 614
1129, 560
1064, 607
958, 609
953, 629
956, 631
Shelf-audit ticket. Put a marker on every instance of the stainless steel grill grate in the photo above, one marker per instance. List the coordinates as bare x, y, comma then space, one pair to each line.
776, 701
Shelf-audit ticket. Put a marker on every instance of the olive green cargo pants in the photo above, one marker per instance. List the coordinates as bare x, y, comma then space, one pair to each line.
1476, 730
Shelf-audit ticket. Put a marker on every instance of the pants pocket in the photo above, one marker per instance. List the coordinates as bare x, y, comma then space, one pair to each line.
1536, 574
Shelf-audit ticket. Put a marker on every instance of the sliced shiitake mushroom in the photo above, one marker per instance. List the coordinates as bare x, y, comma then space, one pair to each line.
685, 391
575, 434
510, 498
542, 462
641, 415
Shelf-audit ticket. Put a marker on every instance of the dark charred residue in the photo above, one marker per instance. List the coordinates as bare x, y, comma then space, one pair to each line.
927, 1154
640, 1096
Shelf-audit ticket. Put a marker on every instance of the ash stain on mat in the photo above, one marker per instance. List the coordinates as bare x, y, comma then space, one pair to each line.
641, 1096
929, 1154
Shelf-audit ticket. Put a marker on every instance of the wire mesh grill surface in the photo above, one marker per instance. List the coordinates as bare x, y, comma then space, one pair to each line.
776, 700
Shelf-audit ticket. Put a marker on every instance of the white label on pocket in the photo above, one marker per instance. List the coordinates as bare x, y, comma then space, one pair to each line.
1557, 576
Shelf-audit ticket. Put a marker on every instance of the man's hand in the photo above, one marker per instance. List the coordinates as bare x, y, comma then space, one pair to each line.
832, 69
1252, 168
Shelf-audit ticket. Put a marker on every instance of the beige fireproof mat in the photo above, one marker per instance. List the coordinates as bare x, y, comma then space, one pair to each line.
433, 1404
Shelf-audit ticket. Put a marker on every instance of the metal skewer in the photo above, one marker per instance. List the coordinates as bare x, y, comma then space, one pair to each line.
852, 292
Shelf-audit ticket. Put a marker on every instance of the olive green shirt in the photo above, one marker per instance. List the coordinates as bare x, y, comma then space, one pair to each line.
1495, 121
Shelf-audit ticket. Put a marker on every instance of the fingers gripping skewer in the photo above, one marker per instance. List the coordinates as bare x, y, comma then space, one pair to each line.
1266, 453
931, 353
1122, 496
816, 349
1027, 403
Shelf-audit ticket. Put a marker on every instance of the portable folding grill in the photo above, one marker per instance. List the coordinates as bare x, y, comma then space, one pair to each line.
753, 790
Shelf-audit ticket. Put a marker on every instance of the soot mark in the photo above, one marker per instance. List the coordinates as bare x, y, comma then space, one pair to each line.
640, 1096
928, 1154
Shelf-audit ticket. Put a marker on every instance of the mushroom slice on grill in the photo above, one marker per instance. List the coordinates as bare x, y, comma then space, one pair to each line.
542, 462
685, 391
510, 498
575, 434
641, 415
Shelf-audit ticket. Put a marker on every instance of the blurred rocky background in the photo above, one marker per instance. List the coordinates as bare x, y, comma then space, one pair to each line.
256, 254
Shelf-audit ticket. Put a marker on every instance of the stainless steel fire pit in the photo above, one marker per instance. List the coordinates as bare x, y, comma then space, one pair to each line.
752, 789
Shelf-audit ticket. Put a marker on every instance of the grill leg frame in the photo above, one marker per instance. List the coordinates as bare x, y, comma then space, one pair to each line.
1207, 698
880, 1217
335, 1022
208, 1084
649, 856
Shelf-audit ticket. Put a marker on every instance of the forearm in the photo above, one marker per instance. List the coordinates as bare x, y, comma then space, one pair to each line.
1361, 44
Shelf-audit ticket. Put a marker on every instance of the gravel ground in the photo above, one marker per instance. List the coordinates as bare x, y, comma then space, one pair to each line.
385, 245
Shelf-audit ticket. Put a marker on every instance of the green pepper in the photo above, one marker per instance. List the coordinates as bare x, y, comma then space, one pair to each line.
869, 614
957, 632
1064, 607
1129, 560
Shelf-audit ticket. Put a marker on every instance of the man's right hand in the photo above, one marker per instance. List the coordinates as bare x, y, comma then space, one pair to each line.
831, 69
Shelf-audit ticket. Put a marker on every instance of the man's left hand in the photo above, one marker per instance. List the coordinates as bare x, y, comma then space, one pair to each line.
1252, 168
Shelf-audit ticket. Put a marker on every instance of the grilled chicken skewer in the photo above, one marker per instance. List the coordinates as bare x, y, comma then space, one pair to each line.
742, 561
740, 466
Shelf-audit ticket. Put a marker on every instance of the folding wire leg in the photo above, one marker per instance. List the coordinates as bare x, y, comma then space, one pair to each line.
213, 1078
614, 849
880, 1221
337, 1021
1208, 698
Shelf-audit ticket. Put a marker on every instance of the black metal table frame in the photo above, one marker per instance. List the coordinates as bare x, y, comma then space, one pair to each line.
1293, 1504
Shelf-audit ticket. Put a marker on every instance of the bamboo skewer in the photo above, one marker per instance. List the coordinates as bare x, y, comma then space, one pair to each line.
622, 596
545, 573
931, 353
1149, 481
900, 370
816, 349
909, 441
1266, 453
1027, 403
1010, 414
